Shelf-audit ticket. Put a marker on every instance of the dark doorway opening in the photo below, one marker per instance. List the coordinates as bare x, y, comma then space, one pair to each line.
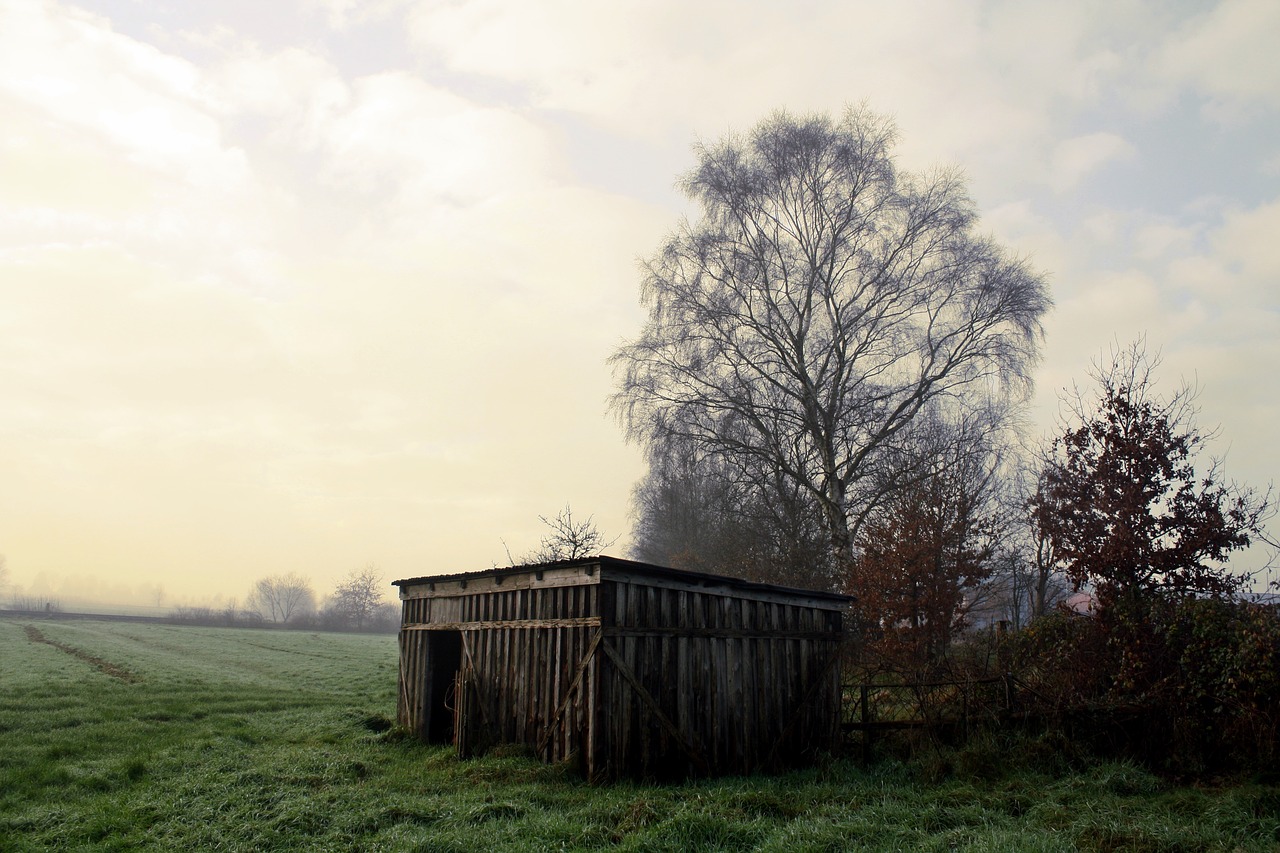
444, 659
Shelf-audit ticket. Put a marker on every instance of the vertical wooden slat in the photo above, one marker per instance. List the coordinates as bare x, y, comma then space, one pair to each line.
547, 667
642, 749
488, 640
575, 646
505, 681
668, 693
591, 725
624, 704
724, 683
517, 667
750, 707
569, 656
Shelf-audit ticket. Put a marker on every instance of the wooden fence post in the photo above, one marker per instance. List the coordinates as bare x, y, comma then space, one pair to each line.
864, 697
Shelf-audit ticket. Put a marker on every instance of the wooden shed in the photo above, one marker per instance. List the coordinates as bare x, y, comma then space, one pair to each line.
627, 668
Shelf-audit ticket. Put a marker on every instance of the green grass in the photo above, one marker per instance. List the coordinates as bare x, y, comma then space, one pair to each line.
225, 739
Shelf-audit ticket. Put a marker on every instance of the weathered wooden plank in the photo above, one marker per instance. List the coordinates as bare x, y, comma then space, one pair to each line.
669, 688
501, 692
413, 683
505, 624
705, 709
727, 588
725, 746
750, 701
473, 671
648, 662
508, 699
721, 633
517, 669
408, 674
549, 578
578, 718
685, 689
630, 703
547, 668
590, 728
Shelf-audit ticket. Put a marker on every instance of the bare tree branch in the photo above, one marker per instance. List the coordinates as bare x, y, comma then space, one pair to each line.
567, 539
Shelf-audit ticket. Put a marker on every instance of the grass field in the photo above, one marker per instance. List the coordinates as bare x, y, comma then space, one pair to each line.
127, 736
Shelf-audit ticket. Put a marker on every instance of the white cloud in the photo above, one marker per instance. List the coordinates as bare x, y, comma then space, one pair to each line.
58, 176
1162, 237
650, 67
1228, 55
294, 87
1247, 240
93, 80
978, 83
412, 138
122, 144
342, 14
1075, 159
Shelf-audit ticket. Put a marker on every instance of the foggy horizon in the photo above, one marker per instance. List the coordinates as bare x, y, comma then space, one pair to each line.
308, 287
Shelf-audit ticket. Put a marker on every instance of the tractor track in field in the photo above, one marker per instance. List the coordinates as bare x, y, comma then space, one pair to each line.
106, 667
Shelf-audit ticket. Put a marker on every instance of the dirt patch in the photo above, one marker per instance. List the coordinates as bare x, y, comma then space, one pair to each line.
105, 666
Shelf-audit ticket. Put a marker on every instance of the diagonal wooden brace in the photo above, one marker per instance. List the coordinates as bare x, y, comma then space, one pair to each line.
695, 754
545, 739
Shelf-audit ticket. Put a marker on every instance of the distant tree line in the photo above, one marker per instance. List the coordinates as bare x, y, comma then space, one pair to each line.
35, 603
357, 603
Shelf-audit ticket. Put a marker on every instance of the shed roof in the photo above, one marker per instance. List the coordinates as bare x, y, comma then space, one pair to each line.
634, 568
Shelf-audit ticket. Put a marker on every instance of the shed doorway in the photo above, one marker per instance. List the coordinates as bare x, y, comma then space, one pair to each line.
444, 656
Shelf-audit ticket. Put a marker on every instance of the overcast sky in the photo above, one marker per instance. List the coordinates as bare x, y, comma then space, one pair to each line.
310, 284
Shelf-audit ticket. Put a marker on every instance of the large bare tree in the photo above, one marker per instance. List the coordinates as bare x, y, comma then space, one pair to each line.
356, 599
283, 598
819, 303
